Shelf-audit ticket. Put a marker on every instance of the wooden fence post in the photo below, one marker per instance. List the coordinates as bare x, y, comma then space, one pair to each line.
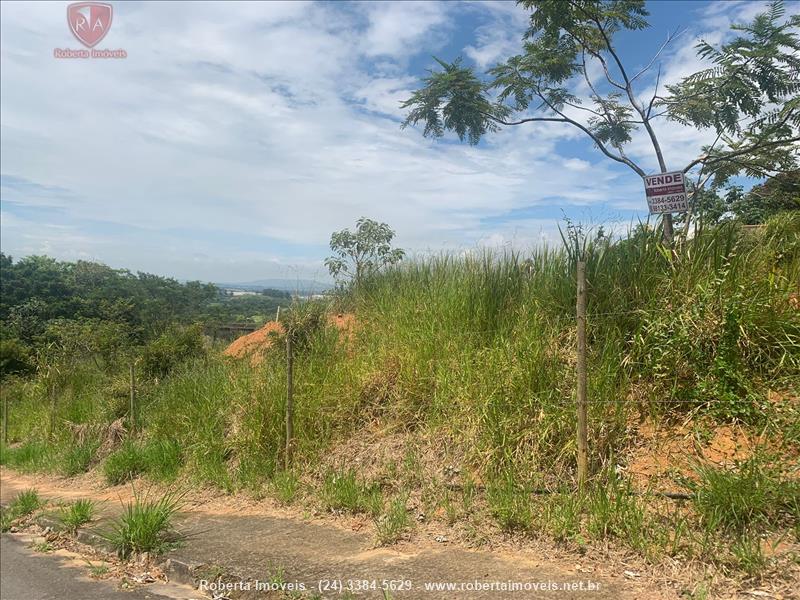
133, 400
583, 450
287, 458
52, 390
5, 418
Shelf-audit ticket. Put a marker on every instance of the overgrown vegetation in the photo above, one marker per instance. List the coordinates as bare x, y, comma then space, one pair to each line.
87, 311
476, 353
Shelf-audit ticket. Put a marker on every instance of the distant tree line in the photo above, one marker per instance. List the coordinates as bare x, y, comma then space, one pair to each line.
87, 308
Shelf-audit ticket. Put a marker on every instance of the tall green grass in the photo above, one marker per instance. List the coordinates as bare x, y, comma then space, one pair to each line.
478, 348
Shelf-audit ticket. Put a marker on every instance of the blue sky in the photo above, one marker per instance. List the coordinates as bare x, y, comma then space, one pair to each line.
237, 136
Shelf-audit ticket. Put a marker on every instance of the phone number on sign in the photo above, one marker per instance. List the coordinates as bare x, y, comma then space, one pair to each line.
364, 585
675, 203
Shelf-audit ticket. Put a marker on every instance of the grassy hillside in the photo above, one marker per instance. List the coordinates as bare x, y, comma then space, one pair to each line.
454, 394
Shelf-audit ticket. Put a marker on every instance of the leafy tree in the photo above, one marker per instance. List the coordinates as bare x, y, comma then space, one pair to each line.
361, 253
778, 194
748, 95
708, 206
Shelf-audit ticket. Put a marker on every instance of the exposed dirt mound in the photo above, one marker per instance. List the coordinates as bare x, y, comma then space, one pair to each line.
664, 455
254, 344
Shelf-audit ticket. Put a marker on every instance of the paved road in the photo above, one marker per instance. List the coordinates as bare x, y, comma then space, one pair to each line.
26, 575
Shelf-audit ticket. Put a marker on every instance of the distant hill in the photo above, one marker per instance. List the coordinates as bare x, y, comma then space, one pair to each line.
300, 286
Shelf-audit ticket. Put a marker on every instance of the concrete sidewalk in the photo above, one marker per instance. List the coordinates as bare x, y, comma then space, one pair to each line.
327, 561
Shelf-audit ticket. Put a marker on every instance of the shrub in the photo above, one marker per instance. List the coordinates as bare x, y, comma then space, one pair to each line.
171, 348
15, 358
145, 526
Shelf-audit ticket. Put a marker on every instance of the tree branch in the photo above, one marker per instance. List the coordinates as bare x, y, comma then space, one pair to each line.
525, 120
629, 90
670, 38
752, 148
620, 158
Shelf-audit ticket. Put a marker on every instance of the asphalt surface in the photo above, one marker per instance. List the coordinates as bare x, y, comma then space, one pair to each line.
27, 575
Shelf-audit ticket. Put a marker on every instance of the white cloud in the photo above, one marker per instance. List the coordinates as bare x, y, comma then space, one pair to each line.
395, 29
243, 122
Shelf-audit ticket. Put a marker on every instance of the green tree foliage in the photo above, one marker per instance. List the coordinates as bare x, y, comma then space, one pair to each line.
15, 358
748, 95
37, 289
777, 195
72, 311
363, 252
171, 348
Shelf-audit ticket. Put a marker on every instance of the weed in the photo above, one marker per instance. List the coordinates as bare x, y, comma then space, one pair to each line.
162, 459
6, 519
749, 554
145, 525
77, 458
560, 514
510, 504
76, 514
285, 486
124, 464
752, 494
343, 491
450, 508
43, 547
25, 503
613, 511
391, 525
31, 456
97, 571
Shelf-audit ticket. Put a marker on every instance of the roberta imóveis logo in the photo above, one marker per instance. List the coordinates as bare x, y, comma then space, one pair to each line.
89, 22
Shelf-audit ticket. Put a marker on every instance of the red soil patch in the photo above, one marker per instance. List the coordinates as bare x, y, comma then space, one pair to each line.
254, 344
663, 454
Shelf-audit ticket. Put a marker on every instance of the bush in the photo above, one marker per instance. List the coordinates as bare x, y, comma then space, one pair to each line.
15, 358
171, 348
